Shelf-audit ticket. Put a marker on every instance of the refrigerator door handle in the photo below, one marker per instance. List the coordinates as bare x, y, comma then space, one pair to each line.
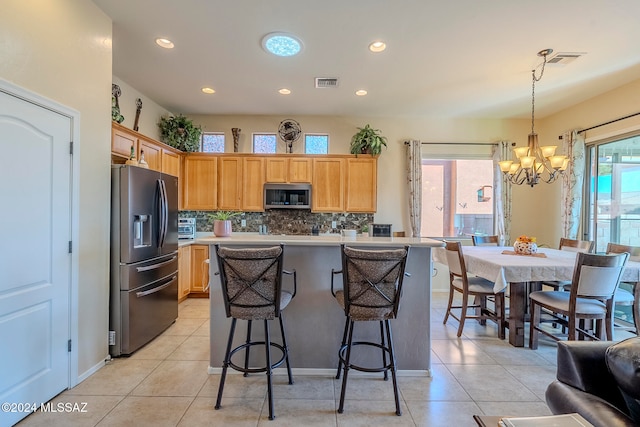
158, 289
154, 266
164, 213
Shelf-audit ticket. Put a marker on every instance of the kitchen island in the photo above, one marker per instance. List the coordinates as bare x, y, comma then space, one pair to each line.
314, 321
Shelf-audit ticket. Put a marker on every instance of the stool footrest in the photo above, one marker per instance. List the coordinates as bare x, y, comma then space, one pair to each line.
256, 370
343, 349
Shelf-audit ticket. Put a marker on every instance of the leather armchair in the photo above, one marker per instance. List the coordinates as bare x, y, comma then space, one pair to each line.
599, 380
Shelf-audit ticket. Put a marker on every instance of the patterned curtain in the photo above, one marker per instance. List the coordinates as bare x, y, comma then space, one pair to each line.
572, 185
414, 182
502, 194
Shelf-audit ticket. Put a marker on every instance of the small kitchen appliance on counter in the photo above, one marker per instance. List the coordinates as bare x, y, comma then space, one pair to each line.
186, 228
381, 230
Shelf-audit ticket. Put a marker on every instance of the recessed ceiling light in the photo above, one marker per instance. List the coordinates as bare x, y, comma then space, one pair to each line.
281, 44
361, 92
284, 91
165, 43
208, 90
377, 46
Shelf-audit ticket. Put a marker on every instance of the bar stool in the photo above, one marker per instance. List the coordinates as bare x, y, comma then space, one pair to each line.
372, 285
251, 282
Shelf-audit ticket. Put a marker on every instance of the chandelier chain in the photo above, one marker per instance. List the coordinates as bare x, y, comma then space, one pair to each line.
533, 88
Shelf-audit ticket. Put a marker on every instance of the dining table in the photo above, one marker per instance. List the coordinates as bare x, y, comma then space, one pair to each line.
522, 274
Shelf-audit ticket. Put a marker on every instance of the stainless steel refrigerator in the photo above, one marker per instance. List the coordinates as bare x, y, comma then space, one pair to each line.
144, 256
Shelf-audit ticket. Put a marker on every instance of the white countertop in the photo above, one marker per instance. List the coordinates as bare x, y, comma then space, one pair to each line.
321, 240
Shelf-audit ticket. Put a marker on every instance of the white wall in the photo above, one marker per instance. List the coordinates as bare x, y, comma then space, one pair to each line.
149, 115
61, 49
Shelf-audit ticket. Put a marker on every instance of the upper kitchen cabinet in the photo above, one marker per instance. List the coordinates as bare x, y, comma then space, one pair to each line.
361, 184
171, 162
152, 153
159, 156
200, 182
327, 186
283, 169
122, 139
253, 175
230, 183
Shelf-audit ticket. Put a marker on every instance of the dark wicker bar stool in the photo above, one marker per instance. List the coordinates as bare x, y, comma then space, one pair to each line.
372, 285
251, 282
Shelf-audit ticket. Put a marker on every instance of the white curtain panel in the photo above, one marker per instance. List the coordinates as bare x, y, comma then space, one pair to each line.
572, 185
414, 183
502, 194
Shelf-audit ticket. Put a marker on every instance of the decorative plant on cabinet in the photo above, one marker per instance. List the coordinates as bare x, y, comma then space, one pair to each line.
368, 141
180, 132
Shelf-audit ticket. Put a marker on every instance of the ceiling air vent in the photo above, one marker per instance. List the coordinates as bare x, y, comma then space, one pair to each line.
324, 82
564, 58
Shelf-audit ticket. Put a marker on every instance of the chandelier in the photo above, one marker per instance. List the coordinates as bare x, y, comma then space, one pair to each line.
535, 163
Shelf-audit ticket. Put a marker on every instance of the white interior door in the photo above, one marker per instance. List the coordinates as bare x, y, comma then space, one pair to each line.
35, 264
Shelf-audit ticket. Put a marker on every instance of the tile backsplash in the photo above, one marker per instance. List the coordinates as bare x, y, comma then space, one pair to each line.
282, 221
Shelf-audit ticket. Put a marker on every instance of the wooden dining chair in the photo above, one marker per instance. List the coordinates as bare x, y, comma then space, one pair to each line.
595, 280
471, 286
571, 245
485, 240
623, 296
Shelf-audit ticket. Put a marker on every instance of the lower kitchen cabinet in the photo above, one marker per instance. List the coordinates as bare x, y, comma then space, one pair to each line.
193, 271
184, 272
199, 268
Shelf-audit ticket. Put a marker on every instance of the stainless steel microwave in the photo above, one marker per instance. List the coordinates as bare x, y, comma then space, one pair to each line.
287, 196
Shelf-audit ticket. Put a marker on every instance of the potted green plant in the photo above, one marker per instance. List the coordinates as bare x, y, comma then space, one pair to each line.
222, 222
180, 132
368, 141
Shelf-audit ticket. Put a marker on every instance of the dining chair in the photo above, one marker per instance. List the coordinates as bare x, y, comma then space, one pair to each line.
595, 280
471, 286
571, 245
623, 296
251, 280
372, 286
485, 240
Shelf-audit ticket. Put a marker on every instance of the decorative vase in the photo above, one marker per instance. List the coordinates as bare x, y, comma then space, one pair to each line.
236, 137
222, 228
525, 248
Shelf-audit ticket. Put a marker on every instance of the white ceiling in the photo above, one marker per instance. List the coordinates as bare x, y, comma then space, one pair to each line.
456, 58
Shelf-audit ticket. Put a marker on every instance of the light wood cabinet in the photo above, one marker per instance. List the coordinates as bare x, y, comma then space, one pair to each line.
327, 186
184, 272
253, 184
199, 268
230, 183
288, 169
361, 184
152, 153
122, 141
170, 162
277, 169
200, 182
300, 170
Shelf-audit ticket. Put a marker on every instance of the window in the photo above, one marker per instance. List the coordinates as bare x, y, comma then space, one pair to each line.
316, 143
264, 143
212, 142
613, 200
457, 197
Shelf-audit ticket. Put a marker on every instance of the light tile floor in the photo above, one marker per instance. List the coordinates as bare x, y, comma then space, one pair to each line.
166, 384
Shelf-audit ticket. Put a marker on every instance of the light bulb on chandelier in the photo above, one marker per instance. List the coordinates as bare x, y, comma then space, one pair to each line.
535, 163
